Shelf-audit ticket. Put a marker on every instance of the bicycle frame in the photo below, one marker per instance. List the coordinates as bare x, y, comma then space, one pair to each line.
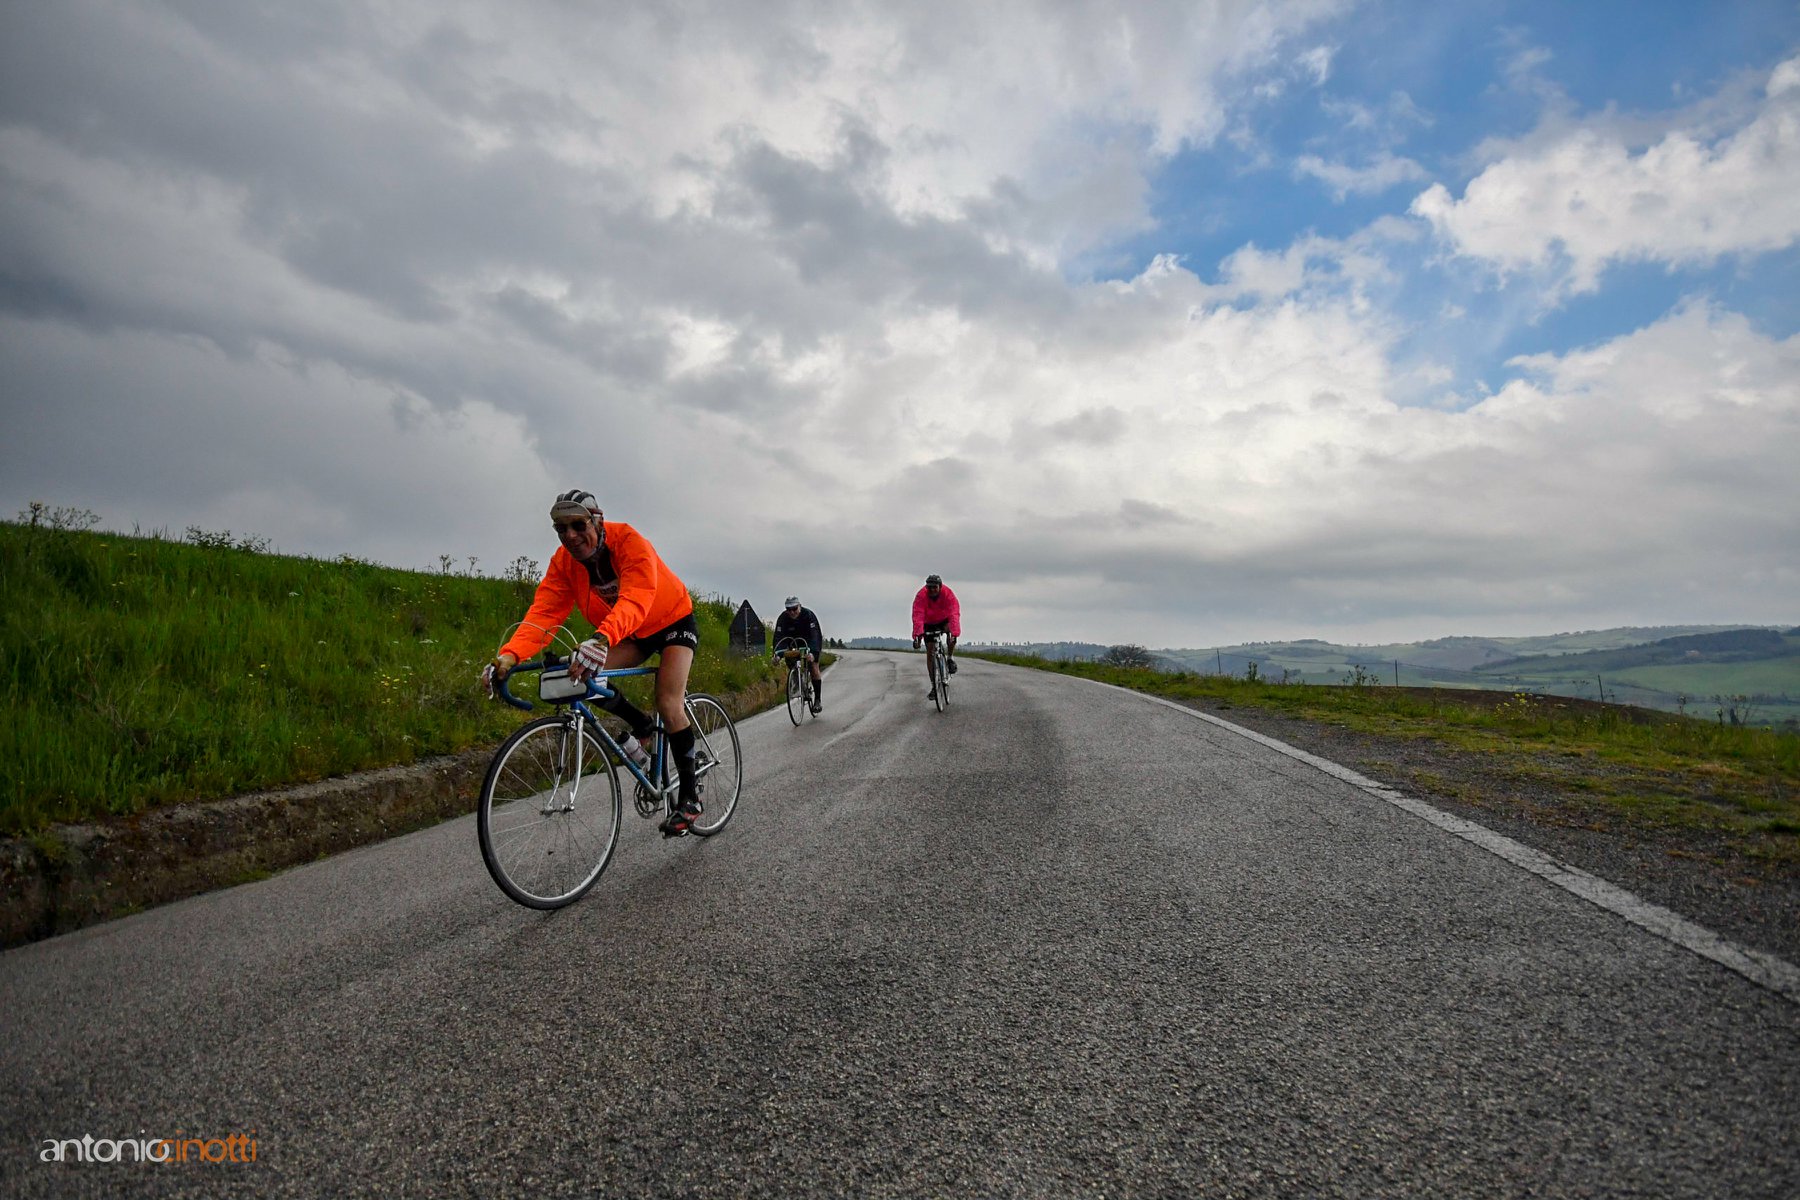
935, 665
598, 689
800, 666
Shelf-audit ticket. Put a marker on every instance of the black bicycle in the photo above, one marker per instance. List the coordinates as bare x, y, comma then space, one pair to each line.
797, 655
552, 801
937, 662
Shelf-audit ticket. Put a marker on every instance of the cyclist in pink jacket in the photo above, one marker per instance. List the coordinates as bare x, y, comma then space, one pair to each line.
935, 608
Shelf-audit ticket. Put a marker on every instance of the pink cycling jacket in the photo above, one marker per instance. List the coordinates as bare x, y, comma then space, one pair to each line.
925, 612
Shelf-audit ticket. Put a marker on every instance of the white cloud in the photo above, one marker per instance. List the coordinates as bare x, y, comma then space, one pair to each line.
1784, 78
1391, 121
1317, 63
1382, 172
1343, 266
1568, 205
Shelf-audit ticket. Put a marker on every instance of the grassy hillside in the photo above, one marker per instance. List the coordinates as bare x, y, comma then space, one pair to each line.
141, 671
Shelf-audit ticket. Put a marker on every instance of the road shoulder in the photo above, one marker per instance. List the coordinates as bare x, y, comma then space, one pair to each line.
1703, 879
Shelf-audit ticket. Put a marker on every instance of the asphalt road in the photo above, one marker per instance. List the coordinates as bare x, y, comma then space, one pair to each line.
1060, 941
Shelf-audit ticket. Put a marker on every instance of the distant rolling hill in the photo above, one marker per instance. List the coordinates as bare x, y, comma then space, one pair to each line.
1680, 668
1734, 645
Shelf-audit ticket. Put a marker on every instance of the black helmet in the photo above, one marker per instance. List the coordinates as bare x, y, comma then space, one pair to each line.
931, 579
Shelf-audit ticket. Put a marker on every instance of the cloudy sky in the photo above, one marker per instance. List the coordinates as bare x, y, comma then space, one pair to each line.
1176, 323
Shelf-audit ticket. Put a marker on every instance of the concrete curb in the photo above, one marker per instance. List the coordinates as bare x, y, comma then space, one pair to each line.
76, 875
73, 876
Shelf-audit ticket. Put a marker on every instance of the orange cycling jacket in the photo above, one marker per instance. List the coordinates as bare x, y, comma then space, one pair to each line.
635, 593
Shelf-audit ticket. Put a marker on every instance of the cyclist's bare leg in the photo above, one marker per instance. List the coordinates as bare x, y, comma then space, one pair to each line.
671, 686
671, 696
671, 677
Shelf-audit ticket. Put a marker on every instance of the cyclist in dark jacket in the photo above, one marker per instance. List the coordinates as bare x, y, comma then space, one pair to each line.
801, 623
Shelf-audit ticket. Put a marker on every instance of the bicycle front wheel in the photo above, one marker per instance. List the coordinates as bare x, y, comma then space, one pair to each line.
719, 766
548, 819
940, 690
796, 693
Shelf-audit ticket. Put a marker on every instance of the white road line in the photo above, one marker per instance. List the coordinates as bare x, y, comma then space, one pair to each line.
1766, 970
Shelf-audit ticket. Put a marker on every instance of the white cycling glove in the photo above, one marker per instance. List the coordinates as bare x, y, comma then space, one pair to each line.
589, 657
487, 682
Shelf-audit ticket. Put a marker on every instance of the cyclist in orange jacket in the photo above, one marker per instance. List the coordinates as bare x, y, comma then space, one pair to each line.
638, 608
936, 608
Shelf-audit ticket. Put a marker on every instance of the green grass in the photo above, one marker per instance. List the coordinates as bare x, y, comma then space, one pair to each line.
1657, 770
1774, 677
143, 671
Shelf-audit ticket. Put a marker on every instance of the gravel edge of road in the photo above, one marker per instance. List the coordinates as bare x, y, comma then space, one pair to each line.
1697, 878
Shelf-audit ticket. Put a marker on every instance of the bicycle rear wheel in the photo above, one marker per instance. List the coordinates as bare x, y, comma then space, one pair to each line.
720, 763
796, 698
548, 818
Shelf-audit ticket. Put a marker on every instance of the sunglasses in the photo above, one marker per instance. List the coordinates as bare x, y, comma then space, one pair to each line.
563, 527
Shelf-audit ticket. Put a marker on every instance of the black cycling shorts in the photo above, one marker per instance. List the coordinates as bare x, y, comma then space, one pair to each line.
685, 632
942, 627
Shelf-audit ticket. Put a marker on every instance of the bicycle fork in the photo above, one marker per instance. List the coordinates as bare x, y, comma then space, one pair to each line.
568, 766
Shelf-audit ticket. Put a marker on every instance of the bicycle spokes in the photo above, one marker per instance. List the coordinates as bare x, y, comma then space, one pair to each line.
548, 815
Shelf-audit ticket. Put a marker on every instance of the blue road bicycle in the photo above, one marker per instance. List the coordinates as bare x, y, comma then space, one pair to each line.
552, 802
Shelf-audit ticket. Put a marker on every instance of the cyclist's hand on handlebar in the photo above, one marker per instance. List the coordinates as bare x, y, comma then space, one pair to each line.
589, 657
494, 672
915, 643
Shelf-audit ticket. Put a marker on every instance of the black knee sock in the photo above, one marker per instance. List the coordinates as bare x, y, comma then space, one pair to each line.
631, 714
681, 745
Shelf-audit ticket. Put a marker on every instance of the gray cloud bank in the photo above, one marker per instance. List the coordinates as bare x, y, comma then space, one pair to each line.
792, 295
